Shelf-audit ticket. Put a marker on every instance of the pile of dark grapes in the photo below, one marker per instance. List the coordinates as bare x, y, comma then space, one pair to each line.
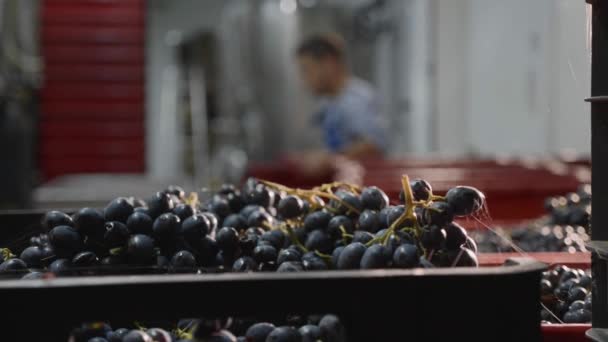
565, 228
261, 227
574, 209
327, 328
533, 238
566, 292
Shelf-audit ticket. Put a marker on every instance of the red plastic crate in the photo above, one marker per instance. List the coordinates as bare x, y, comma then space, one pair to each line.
500, 176
565, 332
513, 192
551, 332
577, 260
286, 173
416, 163
566, 163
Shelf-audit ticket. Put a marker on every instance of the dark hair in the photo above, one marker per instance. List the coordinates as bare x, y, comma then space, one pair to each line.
322, 46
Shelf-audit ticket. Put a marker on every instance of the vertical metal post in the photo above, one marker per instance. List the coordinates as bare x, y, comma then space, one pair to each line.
200, 131
599, 156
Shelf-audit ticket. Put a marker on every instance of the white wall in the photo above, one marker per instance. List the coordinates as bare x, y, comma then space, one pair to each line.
451, 88
508, 94
420, 64
572, 72
185, 17
511, 76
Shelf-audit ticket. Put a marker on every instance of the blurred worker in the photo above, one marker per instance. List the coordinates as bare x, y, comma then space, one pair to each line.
349, 114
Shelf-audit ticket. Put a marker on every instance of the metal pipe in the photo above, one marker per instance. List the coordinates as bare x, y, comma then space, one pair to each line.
199, 120
164, 135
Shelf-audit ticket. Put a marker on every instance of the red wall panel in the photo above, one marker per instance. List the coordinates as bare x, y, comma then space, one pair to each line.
90, 14
56, 54
91, 130
69, 91
66, 34
94, 73
107, 147
93, 110
92, 101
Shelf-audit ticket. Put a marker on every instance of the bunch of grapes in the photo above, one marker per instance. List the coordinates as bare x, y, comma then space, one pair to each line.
566, 295
264, 226
565, 228
534, 238
574, 209
294, 329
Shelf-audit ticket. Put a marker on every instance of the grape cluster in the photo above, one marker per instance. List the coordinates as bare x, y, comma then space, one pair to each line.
566, 292
574, 209
261, 227
564, 229
534, 238
327, 328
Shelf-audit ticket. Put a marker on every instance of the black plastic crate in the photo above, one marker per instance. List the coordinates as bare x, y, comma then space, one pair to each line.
491, 304
472, 304
17, 226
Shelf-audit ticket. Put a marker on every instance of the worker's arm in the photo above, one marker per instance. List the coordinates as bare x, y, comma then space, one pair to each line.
323, 162
364, 127
313, 163
362, 149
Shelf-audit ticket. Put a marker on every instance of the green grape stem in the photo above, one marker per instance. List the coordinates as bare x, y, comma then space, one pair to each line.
7, 253
437, 198
327, 257
329, 186
192, 200
294, 239
116, 251
408, 214
139, 326
339, 200
183, 334
287, 230
324, 191
344, 233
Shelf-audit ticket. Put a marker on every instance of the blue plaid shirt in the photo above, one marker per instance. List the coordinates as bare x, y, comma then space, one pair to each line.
350, 117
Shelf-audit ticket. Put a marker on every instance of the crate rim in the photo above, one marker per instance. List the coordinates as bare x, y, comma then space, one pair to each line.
525, 265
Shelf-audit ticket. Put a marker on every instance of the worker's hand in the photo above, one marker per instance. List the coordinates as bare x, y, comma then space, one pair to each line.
317, 163
363, 149
348, 170
313, 163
